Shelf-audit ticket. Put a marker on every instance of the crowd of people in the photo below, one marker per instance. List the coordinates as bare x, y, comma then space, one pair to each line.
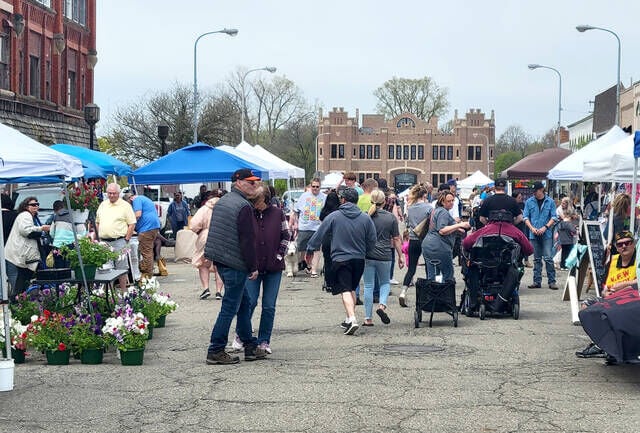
354, 233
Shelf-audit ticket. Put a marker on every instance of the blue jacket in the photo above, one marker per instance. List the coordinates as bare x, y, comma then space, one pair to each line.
539, 216
172, 213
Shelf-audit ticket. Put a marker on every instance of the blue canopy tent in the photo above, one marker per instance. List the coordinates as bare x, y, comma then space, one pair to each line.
194, 164
107, 163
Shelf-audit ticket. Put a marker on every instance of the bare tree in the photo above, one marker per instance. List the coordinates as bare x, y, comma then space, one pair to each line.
513, 139
422, 97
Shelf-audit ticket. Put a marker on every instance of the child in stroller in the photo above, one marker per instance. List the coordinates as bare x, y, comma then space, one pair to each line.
494, 267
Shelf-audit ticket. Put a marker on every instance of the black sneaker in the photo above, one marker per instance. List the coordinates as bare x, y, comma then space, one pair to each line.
218, 296
253, 353
353, 327
205, 294
344, 325
358, 301
591, 351
221, 357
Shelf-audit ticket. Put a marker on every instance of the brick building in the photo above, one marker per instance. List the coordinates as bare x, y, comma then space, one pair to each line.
405, 150
47, 55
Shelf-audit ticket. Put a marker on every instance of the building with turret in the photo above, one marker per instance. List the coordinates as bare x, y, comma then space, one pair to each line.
405, 150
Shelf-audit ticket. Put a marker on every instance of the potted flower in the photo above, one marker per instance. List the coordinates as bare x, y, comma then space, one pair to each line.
84, 197
17, 333
165, 305
94, 254
87, 339
24, 307
128, 331
50, 332
139, 301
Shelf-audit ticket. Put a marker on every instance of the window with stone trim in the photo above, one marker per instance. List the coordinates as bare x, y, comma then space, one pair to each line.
376, 151
413, 152
421, 152
450, 153
5, 41
362, 151
369, 151
391, 152
398, 152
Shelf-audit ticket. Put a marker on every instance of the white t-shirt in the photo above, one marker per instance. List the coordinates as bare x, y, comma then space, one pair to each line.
308, 208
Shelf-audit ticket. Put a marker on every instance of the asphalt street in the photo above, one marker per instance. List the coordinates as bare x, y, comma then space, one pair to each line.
497, 375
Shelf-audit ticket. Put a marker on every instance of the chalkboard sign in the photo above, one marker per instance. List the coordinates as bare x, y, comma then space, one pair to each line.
597, 252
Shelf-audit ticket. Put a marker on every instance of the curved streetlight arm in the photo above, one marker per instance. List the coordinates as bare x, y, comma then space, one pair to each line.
536, 66
244, 99
230, 32
583, 28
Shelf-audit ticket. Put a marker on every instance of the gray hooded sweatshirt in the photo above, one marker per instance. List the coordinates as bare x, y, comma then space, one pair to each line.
353, 234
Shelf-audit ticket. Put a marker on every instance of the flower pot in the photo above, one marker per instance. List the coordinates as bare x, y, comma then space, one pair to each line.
18, 355
91, 356
80, 216
162, 320
89, 271
58, 357
150, 334
132, 356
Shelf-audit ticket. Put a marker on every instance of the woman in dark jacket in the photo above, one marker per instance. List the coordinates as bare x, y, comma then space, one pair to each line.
272, 241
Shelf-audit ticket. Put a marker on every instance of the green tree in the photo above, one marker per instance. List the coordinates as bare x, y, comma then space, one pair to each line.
422, 97
504, 161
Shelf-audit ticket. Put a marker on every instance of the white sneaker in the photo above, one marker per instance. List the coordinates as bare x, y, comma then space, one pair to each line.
237, 345
265, 347
394, 282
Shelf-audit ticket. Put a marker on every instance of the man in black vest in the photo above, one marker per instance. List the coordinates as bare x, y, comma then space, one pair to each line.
231, 247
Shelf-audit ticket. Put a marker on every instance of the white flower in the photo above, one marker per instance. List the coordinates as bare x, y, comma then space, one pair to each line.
34, 318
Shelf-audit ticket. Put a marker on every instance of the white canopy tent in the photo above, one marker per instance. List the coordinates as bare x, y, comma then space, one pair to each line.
465, 186
572, 167
331, 180
293, 171
21, 157
614, 164
276, 171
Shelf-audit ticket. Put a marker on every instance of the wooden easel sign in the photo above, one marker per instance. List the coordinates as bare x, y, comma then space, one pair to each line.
597, 253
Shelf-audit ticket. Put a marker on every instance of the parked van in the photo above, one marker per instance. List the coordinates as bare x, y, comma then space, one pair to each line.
46, 194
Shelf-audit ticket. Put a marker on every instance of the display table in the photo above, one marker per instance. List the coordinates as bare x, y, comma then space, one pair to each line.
106, 278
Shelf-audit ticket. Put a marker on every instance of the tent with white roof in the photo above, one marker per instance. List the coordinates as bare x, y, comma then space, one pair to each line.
466, 185
276, 171
293, 171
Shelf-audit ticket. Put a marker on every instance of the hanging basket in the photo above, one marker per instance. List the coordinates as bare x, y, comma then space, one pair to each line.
79, 216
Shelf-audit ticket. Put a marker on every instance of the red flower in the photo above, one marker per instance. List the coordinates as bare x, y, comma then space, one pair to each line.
62, 347
141, 326
47, 314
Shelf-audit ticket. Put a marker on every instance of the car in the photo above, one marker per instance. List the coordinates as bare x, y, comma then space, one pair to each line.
45, 193
289, 198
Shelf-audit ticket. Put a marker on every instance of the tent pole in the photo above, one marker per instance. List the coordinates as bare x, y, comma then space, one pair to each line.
633, 196
4, 298
76, 245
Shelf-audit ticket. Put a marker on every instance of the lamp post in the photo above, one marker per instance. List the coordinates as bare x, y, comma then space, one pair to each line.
244, 99
230, 32
163, 133
91, 116
475, 135
584, 28
317, 137
536, 66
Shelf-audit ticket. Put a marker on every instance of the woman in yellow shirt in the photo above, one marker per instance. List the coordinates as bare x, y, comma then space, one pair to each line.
622, 269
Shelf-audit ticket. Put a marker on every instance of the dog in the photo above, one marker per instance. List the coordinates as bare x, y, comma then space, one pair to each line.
291, 259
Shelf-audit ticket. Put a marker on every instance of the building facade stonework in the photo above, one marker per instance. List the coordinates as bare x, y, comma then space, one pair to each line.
405, 150
47, 55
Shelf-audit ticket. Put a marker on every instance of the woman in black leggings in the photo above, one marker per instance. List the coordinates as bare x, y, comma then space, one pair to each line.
418, 210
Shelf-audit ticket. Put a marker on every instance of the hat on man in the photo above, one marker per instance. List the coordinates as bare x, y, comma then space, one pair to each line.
244, 174
538, 185
452, 182
501, 182
350, 195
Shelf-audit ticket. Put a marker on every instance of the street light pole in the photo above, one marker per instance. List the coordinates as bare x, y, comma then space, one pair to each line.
584, 28
318, 136
244, 99
536, 66
163, 133
91, 116
230, 32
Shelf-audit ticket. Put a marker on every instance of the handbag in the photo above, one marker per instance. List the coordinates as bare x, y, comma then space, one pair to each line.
162, 267
421, 229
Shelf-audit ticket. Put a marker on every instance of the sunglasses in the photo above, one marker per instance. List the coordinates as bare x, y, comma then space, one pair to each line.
34, 204
623, 244
315, 186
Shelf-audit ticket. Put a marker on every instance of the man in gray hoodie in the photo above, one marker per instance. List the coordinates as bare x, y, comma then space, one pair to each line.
353, 235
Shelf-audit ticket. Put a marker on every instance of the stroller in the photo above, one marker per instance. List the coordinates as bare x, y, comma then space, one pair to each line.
493, 258
435, 297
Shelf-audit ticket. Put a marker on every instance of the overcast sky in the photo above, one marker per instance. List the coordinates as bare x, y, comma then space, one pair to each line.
339, 51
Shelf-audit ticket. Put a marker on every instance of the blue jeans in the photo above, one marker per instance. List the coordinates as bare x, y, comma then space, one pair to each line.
542, 251
445, 266
375, 269
236, 300
270, 282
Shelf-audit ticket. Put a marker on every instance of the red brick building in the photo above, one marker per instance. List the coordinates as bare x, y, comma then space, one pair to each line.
405, 150
47, 55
